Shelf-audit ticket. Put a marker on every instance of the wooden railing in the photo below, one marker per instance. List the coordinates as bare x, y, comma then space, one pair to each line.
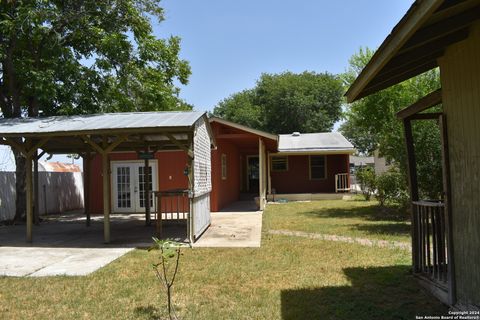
341, 182
171, 205
430, 241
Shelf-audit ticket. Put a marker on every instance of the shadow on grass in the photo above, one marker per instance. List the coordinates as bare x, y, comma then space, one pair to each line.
376, 293
371, 213
393, 229
147, 312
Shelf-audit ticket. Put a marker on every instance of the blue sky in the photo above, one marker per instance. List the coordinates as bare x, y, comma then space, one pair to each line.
229, 44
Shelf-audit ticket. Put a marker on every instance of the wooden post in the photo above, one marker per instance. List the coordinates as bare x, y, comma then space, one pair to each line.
29, 194
146, 190
261, 173
106, 197
86, 186
36, 200
269, 182
413, 187
452, 293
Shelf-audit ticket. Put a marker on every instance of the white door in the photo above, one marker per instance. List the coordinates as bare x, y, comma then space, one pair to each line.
128, 185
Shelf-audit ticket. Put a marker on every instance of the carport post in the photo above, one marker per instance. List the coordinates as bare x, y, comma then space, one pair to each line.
146, 191
106, 197
29, 191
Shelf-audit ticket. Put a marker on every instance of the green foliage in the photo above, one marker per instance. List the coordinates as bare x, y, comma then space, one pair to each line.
371, 123
367, 180
287, 102
391, 188
78, 57
166, 269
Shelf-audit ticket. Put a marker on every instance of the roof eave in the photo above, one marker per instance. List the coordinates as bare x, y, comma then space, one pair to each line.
418, 13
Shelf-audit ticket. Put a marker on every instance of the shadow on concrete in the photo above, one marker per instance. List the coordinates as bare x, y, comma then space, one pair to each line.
70, 231
241, 206
375, 293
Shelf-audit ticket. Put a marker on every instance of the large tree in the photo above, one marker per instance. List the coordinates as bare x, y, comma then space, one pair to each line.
371, 123
287, 102
84, 56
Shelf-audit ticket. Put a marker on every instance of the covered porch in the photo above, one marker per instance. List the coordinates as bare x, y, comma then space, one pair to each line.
103, 134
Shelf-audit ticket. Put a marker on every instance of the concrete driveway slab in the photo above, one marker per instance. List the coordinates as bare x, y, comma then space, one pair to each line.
233, 229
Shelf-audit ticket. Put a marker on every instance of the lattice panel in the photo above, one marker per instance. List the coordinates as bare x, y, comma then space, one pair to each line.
202, 163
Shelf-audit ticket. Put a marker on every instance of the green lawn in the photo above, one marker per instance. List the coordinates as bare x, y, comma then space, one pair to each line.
287, 278
354, 218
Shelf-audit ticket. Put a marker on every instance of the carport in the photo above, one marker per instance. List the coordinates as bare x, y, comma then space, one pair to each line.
102, 134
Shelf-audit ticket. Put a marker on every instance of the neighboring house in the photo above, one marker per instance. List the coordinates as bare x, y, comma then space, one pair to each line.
314, 163
380, 164
446, 234
357, 162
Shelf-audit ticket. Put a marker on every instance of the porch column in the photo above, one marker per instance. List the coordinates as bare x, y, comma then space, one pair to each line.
36, 200
413, 187
106, 197
269, 182
146, 190
29, 194
261, 169
86, 186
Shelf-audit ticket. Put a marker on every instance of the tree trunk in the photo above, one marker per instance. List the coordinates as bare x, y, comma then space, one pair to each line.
20, 184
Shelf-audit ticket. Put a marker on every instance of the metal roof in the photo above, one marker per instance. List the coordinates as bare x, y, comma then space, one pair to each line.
326, 142
106, 121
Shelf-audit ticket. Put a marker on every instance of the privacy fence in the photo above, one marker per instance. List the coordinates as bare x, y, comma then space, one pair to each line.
58, 192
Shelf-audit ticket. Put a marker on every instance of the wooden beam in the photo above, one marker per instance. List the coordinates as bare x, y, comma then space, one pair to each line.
106, 197
86, 185
179, 145
432, 99
452, 294
116, 143
36, 200
29, 194
443, 27
426, 116
413, 187
93, 144
407, 26
19, 146
401, 76
38, 145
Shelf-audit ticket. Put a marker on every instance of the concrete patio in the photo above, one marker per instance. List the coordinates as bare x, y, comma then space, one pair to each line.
63, 245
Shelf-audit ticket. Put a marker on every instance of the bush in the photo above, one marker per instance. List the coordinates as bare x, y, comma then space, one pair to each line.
367, 180
391, 188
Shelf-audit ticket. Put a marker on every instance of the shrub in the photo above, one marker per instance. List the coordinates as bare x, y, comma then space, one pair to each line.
391, 188
367, 180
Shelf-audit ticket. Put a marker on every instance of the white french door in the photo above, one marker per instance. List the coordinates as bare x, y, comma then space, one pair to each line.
128, 193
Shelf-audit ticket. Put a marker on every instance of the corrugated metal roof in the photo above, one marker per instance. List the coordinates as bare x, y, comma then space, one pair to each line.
106, 121
314, 142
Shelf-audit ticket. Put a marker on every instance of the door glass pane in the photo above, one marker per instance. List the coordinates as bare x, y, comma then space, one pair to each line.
141, 185
123, 187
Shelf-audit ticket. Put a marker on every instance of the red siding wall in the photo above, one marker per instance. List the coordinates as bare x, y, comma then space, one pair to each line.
297, 179
228, 190
170, 166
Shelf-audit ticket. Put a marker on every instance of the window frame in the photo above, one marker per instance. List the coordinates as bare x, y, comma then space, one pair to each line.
324, 165
272, 169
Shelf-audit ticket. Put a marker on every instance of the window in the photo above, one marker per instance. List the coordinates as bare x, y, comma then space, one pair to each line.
279, 163
317, 167
224, 166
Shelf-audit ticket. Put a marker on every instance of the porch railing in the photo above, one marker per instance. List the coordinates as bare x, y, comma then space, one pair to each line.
341, 182
171, 205
430, 241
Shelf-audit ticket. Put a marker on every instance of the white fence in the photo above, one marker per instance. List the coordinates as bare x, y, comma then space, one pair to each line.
58, 192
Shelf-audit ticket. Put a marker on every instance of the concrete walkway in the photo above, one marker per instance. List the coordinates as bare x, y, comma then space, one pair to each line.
237, 226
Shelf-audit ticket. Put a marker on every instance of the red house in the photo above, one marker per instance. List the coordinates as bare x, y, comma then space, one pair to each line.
246, 164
